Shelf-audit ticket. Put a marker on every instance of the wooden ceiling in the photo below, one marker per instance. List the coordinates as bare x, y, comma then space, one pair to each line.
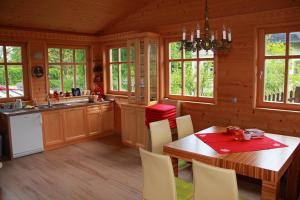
80, 16
166, 12
113, 16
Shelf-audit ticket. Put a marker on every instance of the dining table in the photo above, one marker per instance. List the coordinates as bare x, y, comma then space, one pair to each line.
269, 165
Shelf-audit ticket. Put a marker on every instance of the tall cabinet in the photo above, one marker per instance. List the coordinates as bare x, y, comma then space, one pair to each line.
143, 63
143, 88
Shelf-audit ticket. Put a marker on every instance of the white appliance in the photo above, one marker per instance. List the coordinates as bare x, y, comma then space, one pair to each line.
26, 134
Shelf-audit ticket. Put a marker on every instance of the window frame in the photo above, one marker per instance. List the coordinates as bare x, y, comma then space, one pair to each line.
260, 69
25, 73
61, 64
127, 62
183, 97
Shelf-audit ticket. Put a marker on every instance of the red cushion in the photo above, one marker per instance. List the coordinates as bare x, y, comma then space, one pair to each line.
161, 117
160, 108
159, 112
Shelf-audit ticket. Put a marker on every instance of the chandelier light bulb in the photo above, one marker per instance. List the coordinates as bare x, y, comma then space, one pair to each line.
229, 34
198, 31
224, 33
212, 36
184, 34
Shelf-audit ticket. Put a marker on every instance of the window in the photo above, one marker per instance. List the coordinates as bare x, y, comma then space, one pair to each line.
191, 75
12, 68
279, 68
66, 69
118, 70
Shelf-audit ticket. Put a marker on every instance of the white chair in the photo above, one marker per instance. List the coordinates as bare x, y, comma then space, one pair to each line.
160, 135
184, 126
159, 180
0, 165
214, 183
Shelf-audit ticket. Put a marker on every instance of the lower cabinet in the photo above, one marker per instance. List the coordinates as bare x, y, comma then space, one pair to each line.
53, 128
94, 120
74, 123
107, 119
66, 126
134, 130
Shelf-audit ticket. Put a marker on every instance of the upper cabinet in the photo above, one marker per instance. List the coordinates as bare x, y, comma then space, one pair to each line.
143, 69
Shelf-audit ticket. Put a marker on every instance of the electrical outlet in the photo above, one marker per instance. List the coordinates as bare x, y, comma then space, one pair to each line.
234, 100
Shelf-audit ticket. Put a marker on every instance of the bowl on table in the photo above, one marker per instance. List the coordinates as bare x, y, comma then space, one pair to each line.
232, 129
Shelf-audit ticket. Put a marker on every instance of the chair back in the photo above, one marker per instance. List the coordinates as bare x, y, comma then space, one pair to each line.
297, 95
160, 135
184, 126
159, 181
214, 183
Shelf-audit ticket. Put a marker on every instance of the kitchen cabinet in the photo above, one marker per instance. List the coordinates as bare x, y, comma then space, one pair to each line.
94, 120
141, 129
107, 118
53, 128
50, 128
74, 123
143, 73
71, 125
134, 130
143, 88
129, 132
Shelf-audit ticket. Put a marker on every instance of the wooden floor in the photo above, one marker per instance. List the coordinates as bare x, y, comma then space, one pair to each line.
102, 169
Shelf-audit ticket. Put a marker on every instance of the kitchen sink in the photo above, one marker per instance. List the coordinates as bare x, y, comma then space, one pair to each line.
60, 105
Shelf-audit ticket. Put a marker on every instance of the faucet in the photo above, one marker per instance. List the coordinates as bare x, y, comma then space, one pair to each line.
48, 101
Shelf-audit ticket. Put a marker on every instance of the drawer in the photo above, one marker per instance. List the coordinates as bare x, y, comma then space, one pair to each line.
107, 107
93, 109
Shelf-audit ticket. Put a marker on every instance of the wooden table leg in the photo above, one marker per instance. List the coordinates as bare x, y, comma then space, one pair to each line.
175, 165
293, 179
269, 190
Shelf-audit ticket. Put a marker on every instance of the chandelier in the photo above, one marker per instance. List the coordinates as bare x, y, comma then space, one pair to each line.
208, 40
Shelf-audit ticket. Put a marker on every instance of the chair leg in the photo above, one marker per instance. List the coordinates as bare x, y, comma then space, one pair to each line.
175, 165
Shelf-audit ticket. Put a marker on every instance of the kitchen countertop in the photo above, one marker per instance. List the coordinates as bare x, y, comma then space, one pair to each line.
42, 108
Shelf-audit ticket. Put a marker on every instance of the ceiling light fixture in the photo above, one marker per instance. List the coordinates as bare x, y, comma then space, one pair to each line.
208, 41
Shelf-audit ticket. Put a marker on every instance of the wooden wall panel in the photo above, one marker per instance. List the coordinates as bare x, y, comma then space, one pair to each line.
38, 87
236, 78
236, 70
36, 42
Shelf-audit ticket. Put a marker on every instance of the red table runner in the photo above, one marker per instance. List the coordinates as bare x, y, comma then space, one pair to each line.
224, 143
